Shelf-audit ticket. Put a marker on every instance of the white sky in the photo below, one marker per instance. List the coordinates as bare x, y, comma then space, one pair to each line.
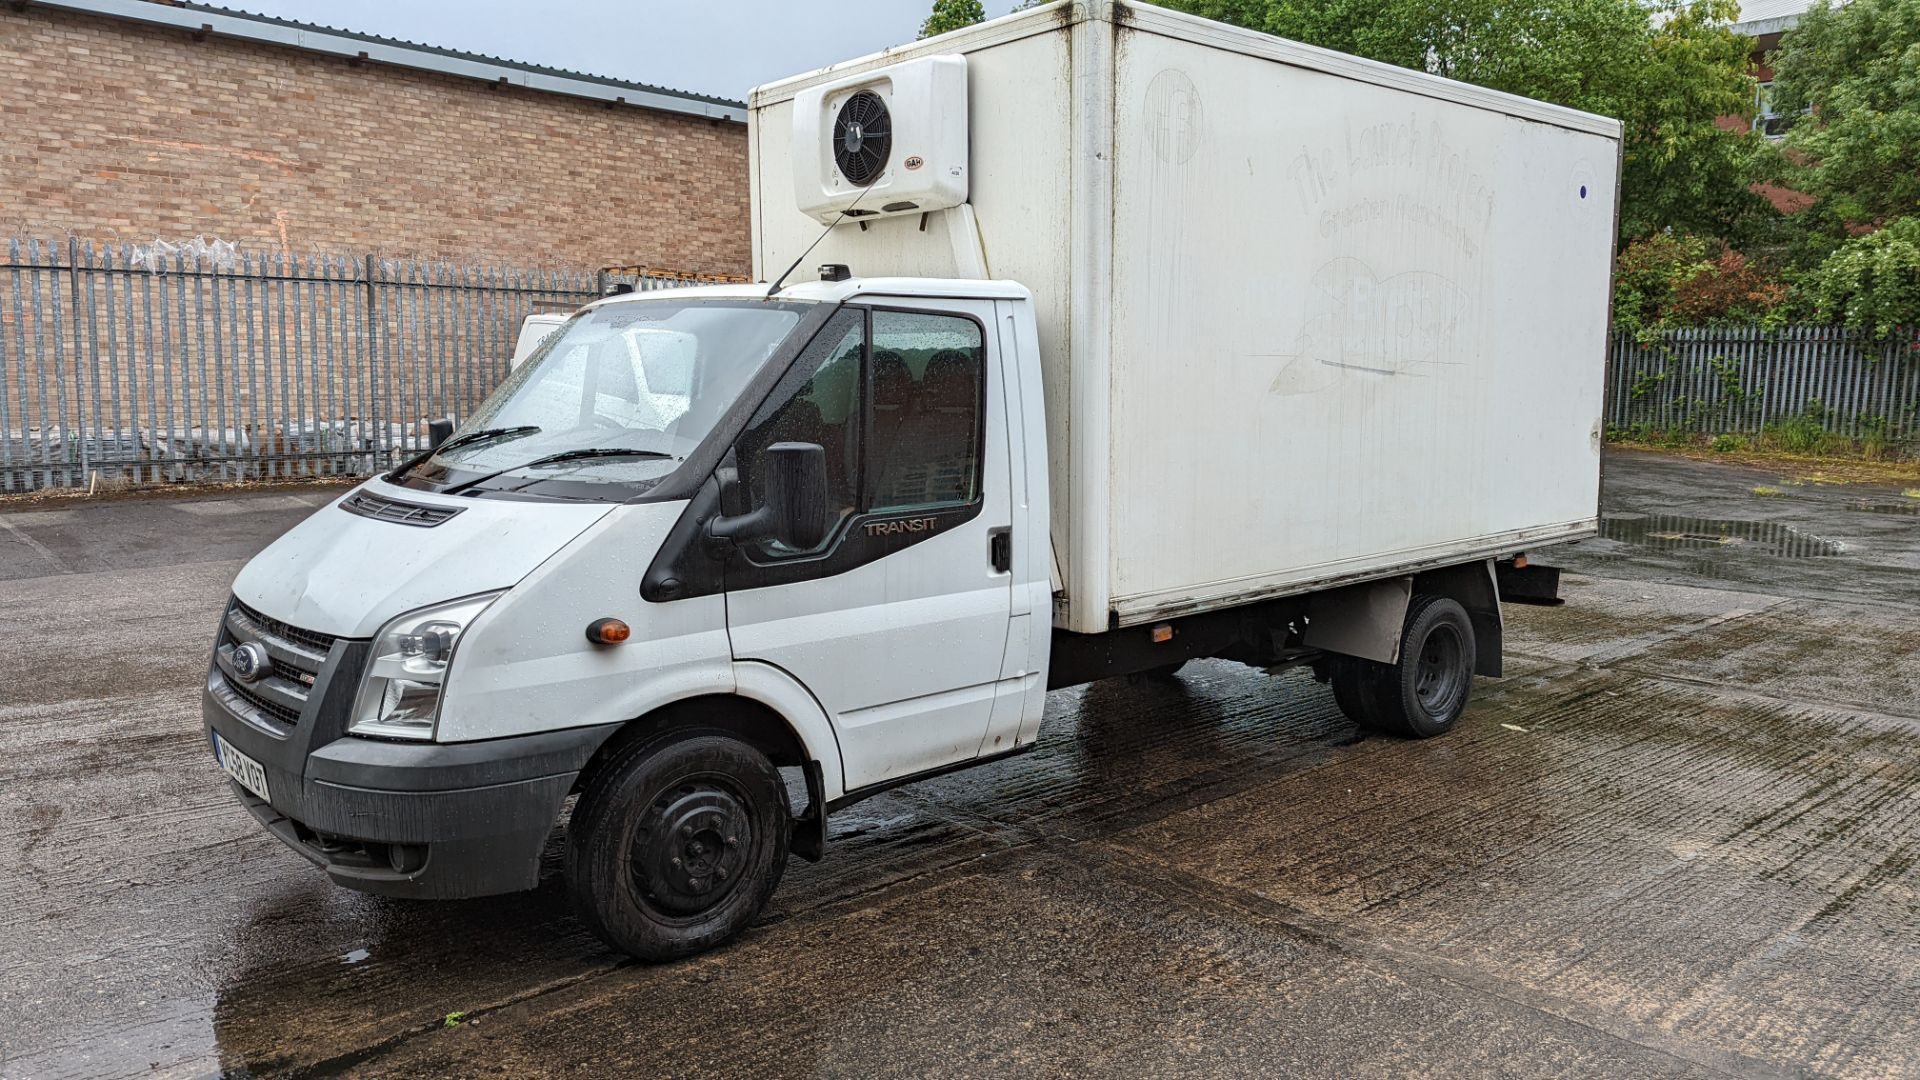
718, 47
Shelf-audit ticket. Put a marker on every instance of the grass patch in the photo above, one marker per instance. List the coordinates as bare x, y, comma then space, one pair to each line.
1806, 434
1802, 448
1912, 493
1764, 491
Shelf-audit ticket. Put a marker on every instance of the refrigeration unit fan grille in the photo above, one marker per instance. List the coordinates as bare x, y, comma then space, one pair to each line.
862, 138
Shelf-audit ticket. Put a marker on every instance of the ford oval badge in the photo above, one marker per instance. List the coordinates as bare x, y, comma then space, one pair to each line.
250, 661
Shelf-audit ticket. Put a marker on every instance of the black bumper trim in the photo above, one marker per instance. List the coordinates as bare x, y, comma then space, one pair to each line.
473, 818
444, 869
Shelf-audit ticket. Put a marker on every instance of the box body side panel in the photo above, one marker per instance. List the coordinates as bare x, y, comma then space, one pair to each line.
1354, 328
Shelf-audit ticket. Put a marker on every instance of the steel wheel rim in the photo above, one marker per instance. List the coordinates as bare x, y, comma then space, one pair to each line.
691, 848
1440, 680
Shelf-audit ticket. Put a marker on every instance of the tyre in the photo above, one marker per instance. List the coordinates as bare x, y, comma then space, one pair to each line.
1424, 693
677, 844
1348, 679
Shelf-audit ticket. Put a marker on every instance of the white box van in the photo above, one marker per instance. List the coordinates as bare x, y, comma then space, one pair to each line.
534, 329
1199, 344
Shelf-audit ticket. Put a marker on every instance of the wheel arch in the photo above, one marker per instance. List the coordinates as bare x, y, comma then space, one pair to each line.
768, 710
1472, 586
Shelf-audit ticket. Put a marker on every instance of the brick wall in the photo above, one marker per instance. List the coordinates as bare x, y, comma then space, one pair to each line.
110, 128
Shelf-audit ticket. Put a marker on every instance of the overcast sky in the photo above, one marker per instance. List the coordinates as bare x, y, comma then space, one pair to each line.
718, 47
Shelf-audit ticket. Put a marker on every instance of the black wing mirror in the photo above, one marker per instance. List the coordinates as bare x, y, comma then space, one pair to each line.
438, 431
795, 512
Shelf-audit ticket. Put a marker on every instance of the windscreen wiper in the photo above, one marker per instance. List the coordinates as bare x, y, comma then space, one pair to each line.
580, 454
467, 439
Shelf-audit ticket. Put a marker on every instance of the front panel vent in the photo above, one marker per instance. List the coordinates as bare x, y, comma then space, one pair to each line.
381, 508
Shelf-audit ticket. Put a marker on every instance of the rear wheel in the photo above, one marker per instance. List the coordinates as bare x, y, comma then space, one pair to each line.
1349, 689
1425, 691
677, 844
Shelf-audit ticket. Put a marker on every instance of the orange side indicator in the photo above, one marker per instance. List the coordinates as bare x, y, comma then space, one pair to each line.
608, 632
1162, 633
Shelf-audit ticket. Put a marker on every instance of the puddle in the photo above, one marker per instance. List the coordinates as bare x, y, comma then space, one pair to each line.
1910, 508
1673, 532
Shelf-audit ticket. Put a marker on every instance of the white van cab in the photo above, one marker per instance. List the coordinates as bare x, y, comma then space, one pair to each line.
779, 529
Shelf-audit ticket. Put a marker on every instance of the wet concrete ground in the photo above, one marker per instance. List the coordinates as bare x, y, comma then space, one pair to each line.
1681, 838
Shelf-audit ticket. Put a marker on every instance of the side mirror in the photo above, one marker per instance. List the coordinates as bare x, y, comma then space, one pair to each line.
438, 431
795, 512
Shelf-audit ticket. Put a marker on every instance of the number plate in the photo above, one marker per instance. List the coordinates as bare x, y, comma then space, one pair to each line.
250, 774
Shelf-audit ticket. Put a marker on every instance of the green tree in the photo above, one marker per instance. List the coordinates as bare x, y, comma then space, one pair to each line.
1667, 69
1857, 67
952, 15
1870, 282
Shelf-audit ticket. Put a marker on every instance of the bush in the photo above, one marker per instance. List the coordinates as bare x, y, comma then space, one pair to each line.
1644, 276
1728, 444
1663, 281
1870, 282
1731, 290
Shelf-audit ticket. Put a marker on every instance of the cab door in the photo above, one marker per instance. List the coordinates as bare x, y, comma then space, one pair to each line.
897, 622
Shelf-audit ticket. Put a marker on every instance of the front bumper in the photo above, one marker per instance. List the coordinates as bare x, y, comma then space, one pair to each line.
426, 820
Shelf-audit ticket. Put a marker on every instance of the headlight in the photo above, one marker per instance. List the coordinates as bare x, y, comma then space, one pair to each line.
400, 695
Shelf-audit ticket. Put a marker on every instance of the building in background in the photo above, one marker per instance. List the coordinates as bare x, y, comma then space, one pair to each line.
137, 121
1764, 21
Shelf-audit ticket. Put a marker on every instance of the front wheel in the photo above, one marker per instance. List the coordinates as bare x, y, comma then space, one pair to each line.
677, 844
1425, 691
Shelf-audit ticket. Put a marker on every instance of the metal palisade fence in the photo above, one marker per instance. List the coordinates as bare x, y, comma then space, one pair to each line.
158, 363
1744, 380
164, 363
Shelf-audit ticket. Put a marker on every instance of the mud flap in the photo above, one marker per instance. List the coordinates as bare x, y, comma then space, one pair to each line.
1361, 620
1529, 584
809, 840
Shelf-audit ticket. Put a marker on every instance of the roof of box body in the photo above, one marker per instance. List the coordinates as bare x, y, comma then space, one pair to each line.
1147, 18
311, 37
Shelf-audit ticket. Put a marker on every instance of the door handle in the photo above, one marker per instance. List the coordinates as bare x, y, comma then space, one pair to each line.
1000, 548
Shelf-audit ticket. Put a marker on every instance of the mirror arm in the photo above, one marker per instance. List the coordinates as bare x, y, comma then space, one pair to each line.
749, 526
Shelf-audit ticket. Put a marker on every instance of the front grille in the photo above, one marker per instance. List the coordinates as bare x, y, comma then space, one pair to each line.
286, 715
381, 508
296, 656
271, 627
293, 674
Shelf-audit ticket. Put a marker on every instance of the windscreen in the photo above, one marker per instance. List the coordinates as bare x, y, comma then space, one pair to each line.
619, 395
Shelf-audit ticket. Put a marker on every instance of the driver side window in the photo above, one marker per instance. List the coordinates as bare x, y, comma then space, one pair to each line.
819, 401
895, 399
